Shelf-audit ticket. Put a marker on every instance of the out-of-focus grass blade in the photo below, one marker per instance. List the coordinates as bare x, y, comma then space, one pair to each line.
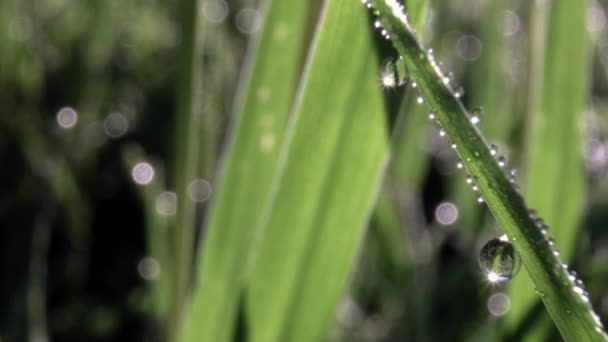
492, 93
554, 170
187, 148
250, 162
331, 166
407, 165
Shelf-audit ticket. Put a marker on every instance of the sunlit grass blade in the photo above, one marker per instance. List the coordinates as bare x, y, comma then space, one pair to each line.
262, 111
554, 162
331, 166
563, 299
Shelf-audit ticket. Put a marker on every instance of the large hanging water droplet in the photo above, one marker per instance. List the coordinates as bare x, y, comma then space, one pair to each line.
499, 261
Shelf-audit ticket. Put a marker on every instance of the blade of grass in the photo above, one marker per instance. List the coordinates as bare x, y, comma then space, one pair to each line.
573, 316
262, 109
492, 92
554, 165
331, 165
186, 152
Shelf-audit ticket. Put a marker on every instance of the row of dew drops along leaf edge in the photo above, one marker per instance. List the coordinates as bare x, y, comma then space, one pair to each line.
498, 259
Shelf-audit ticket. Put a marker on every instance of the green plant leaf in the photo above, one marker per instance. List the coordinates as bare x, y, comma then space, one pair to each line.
262, 109
573, 316
331, 166
554, 165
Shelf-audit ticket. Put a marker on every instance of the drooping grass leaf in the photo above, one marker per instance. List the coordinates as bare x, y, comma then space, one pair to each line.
330, 171
251, 159
569, 310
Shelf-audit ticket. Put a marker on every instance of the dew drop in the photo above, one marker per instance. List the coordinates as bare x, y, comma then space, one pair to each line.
414, 84
479, 199
459, 92
387, 75
419, 100
442, 133
499, 261
454, 146
459, 165
502, 161
493, 149
469, 179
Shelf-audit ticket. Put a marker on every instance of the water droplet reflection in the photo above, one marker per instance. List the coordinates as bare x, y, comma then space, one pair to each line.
446, 213
67, 117
199, 190
148, 268
499, 304
166, 203
142, 173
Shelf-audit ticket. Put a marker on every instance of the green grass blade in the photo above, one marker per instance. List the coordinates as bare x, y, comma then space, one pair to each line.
574, 318
186, 158
248, 171
554, 168
331, 166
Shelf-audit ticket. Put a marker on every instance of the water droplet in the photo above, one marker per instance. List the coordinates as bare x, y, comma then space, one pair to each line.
199, 190
454, 146
479, 199
414, 84
166, 203
148, 268
499, 261
459, 165
475, 188
248, 20
432, 116
67, 117
493, 149
502, 161
499, 304
215, 11
459, 92
419, 100
469, 179
542, 294
142, 173
474, 120
115, 125
387, 75
446, 213
442, 133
